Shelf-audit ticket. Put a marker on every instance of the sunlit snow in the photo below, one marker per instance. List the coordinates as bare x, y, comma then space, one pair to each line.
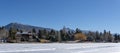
60, 48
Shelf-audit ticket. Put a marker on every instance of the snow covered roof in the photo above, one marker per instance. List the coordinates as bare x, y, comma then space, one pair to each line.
23, 33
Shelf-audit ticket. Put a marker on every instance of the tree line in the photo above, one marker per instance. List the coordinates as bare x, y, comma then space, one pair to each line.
64, 35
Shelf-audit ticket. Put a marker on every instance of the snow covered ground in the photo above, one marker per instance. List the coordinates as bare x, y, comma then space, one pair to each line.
61, 48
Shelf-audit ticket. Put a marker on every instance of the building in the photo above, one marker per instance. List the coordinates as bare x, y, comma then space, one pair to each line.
26, 37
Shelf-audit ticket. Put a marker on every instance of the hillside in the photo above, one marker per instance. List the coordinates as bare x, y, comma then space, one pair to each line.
24, 27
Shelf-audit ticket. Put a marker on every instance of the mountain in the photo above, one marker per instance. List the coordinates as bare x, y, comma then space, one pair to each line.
25, 27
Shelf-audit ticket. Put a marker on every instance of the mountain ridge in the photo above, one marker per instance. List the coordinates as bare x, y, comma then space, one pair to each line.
24, 27
27, 28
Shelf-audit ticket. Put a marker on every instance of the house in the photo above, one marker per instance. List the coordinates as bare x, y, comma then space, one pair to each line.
25, 37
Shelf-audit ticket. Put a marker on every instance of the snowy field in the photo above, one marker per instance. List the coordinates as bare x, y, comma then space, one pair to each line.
61, 48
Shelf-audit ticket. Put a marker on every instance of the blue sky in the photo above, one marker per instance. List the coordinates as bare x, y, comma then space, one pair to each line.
84, 14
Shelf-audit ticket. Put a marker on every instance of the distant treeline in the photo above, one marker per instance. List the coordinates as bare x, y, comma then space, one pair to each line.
63, 35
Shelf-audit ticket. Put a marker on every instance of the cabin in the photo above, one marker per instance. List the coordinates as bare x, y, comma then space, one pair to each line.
26, 37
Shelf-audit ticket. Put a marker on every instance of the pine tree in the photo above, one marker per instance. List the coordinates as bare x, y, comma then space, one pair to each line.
78, 30
33, 30
12, 32
40, 34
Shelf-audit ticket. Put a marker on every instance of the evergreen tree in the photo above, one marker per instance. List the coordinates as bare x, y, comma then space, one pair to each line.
97, 38
52, 32
115, 37
62, 35
110, 37
78, 30
0, 28
105, 36
21, 31
33, 30
40, 34
12, 32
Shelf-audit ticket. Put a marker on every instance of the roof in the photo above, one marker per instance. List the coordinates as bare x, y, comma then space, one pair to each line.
23, 33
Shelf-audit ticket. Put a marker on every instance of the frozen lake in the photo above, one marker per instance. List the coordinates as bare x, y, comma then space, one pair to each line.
61, 48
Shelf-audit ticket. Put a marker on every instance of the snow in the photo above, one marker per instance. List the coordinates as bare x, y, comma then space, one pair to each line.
60, 48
